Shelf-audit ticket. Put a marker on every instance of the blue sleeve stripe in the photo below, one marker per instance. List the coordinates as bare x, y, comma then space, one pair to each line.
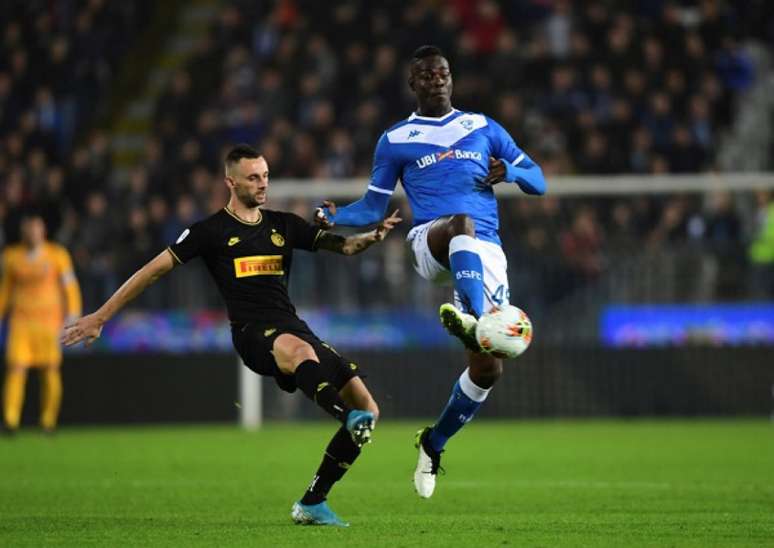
518, 160
380, 190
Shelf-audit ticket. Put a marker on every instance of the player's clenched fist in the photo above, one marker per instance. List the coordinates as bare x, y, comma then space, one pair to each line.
320, 219
496, 171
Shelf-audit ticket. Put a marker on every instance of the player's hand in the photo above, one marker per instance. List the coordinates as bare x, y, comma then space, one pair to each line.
319, 215
387, 224
87, 329
496, 172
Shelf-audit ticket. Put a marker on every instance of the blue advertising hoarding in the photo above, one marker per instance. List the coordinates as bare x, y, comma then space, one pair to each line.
643, 326
209, 331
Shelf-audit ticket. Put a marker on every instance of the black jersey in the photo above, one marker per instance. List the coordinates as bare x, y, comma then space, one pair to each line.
250, 262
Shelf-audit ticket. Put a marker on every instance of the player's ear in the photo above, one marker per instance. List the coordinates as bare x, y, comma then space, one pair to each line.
229, 182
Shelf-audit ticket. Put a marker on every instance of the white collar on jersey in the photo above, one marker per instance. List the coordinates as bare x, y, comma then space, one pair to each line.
415, 116
443, 134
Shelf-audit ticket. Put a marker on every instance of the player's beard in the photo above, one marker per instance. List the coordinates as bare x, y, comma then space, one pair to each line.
248, 199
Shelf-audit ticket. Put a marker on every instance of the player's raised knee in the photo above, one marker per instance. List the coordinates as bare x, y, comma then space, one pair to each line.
462, 224
290, 351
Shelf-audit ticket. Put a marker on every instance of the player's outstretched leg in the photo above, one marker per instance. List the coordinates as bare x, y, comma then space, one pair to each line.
296, 357
465, 400
313, 509
340, 455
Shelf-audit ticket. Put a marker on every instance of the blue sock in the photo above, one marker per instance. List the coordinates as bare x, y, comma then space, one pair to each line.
467, 272
465, 400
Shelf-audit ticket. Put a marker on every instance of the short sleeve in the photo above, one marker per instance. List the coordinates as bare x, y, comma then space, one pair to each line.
302, 234
190, 244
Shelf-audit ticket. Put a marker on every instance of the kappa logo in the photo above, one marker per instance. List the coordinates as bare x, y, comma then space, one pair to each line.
233, 241
414, 133
269, 332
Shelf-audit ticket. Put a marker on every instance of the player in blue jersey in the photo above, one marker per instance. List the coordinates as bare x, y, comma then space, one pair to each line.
448, 161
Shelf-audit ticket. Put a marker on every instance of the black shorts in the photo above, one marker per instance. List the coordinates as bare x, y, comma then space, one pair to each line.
254, 342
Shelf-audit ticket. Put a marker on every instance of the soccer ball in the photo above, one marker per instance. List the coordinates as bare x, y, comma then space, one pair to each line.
505, 331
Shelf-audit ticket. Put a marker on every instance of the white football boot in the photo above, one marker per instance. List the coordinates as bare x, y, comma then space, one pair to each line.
428, 465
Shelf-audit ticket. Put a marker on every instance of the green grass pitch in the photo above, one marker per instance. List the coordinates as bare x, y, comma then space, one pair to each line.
562, 483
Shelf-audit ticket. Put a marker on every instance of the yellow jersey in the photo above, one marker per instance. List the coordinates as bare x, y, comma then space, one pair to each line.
39, 285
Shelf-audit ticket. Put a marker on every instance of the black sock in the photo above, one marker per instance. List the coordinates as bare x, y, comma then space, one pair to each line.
339, 456
312, 382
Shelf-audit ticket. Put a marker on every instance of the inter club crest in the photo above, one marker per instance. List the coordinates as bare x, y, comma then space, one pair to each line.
277, 239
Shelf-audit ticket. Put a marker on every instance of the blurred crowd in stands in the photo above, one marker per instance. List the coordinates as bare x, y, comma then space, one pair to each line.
585, 87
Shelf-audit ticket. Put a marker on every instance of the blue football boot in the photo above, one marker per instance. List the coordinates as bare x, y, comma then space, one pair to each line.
316, 514
360, 425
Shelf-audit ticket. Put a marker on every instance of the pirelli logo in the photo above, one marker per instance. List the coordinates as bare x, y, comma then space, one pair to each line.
258, 265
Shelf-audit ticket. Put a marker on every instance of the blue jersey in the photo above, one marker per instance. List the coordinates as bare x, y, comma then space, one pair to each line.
442, 163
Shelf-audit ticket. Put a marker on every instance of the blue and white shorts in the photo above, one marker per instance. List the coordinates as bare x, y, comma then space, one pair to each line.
496, 290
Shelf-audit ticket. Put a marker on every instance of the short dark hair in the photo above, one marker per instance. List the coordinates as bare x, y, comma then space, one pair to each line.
426, 51
30, 212
241, 151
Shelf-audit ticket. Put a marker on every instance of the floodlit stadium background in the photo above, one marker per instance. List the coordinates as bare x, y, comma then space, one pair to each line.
648, 269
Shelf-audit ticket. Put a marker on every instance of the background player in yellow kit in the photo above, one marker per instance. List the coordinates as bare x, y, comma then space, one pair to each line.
38, 291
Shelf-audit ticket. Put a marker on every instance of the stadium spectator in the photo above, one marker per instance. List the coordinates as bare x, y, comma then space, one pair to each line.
94, 248
581, 246
762, 248
723, 232
676, 62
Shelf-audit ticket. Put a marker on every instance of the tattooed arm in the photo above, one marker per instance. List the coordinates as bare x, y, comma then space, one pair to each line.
356, 243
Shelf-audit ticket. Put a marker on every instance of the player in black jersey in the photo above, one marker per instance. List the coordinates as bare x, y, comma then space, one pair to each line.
248, 251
